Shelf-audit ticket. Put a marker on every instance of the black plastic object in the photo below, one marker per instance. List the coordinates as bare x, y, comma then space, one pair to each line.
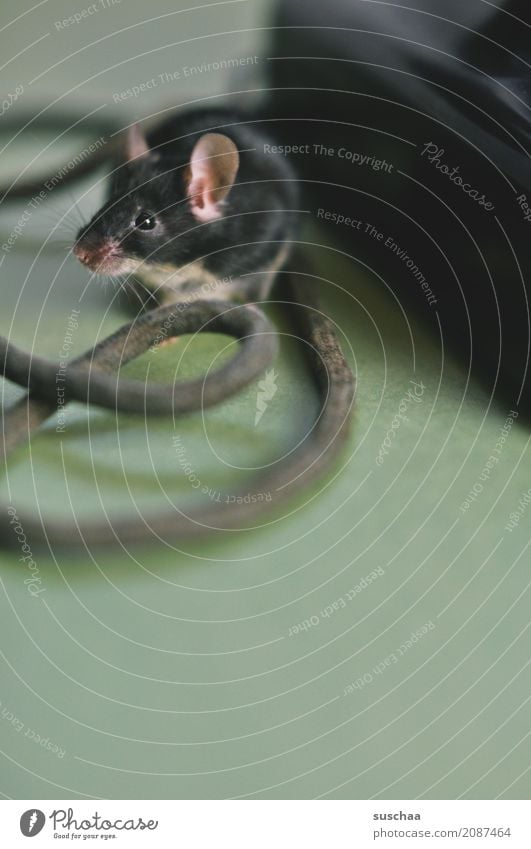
413, 117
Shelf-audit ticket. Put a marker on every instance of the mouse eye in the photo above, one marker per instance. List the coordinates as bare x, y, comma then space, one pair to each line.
145, 221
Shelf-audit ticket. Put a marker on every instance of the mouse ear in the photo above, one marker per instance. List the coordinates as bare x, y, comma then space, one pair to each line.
210, 175
135, 143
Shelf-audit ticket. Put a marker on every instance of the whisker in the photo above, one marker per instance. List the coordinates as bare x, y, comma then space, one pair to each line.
75, 208
140, 284
130, 288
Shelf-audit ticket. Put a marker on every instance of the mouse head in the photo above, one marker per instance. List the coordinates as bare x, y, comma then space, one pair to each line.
161, 205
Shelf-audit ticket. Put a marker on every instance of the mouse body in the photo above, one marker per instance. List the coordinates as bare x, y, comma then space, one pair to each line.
199, 207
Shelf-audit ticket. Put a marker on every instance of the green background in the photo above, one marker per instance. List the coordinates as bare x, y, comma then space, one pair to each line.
170, 672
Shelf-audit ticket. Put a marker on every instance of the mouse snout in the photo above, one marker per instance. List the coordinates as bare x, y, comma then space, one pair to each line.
94, 254
82, 253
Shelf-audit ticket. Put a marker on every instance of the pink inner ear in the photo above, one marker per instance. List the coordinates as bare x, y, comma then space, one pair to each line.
213, 167
200, 193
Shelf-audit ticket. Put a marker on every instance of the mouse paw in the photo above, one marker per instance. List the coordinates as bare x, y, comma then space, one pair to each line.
171, 340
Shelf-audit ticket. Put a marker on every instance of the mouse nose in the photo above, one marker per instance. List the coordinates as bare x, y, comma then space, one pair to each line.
82, 253
92, 253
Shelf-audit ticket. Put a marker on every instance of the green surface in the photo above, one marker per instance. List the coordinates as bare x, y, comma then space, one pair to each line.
170, 673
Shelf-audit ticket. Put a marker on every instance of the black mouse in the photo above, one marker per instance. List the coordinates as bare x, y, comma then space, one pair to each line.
193, 207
